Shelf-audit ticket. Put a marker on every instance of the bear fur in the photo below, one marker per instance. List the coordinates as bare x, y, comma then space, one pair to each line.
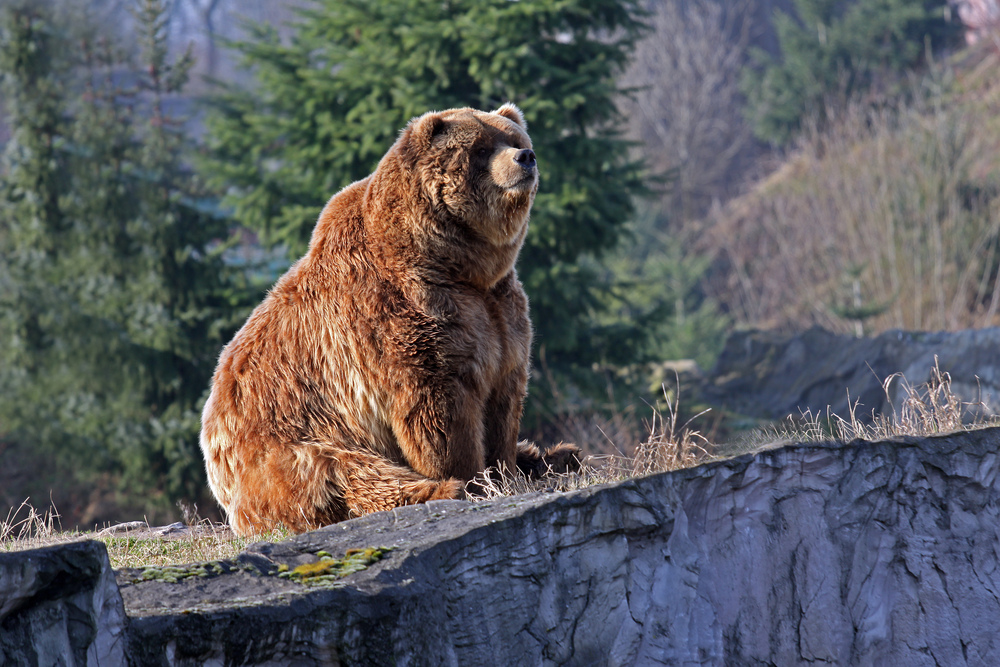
389, 365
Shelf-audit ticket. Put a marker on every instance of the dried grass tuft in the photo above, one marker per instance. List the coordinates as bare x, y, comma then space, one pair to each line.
668, 445
929, 408
133, 544
27, 528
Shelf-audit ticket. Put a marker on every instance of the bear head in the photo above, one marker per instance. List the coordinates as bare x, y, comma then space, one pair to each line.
472, 178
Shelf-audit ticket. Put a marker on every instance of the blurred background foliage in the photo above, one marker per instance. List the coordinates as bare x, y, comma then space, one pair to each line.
114, 298
706, 164
833, 51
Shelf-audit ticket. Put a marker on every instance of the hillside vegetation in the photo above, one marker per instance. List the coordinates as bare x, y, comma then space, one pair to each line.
887, 218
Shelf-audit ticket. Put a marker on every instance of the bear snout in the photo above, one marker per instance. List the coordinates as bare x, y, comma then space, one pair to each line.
514, 168
526, 158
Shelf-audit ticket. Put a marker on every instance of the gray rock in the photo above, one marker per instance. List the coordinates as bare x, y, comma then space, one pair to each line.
60, 606
865, 554
772, 375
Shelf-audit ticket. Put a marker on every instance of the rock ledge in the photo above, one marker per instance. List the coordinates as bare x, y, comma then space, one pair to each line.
867, 553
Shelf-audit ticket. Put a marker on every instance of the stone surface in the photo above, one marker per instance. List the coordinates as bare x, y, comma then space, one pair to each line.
60, 606
865, 554
772, 375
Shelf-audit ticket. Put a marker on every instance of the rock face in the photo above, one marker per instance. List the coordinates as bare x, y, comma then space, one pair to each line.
864, 554
60, 606
868, 554
772, 375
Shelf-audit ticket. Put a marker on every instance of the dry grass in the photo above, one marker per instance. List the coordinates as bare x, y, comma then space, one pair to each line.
134, 544
206, 542
668, 445
27, 528
926, 409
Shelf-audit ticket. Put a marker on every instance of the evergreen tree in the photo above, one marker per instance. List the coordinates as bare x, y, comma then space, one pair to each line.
329, 103
112, 305
831, 48
658, 277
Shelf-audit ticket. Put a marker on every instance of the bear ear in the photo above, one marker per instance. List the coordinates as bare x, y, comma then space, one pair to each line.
424, 128
510, 111
418, 134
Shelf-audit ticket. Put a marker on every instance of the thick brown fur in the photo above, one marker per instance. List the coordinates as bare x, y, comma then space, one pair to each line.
389, 365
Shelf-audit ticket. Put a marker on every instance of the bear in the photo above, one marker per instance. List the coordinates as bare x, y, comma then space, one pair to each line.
389, 365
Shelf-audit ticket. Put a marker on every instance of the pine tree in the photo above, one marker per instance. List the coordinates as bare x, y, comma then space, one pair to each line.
113, 304
831, 48
329, 103
658, 281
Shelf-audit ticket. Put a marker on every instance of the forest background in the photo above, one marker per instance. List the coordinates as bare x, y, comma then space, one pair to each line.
707, 164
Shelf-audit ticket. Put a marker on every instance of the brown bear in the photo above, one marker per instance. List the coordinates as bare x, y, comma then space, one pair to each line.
389, 365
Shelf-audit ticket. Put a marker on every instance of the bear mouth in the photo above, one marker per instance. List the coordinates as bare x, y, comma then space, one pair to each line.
527, 182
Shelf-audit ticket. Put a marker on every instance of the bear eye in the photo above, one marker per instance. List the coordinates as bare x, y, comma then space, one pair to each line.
483, 151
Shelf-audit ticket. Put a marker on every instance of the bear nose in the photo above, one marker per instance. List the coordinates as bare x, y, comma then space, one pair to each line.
526, 158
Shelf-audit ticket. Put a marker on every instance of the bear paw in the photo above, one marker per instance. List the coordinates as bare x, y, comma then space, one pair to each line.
558, 459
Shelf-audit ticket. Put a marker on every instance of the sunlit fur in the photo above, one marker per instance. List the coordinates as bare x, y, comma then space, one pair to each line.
389, 365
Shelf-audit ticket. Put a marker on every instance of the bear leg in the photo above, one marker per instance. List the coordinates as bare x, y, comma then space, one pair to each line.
311, 486
370, 483
502, 419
